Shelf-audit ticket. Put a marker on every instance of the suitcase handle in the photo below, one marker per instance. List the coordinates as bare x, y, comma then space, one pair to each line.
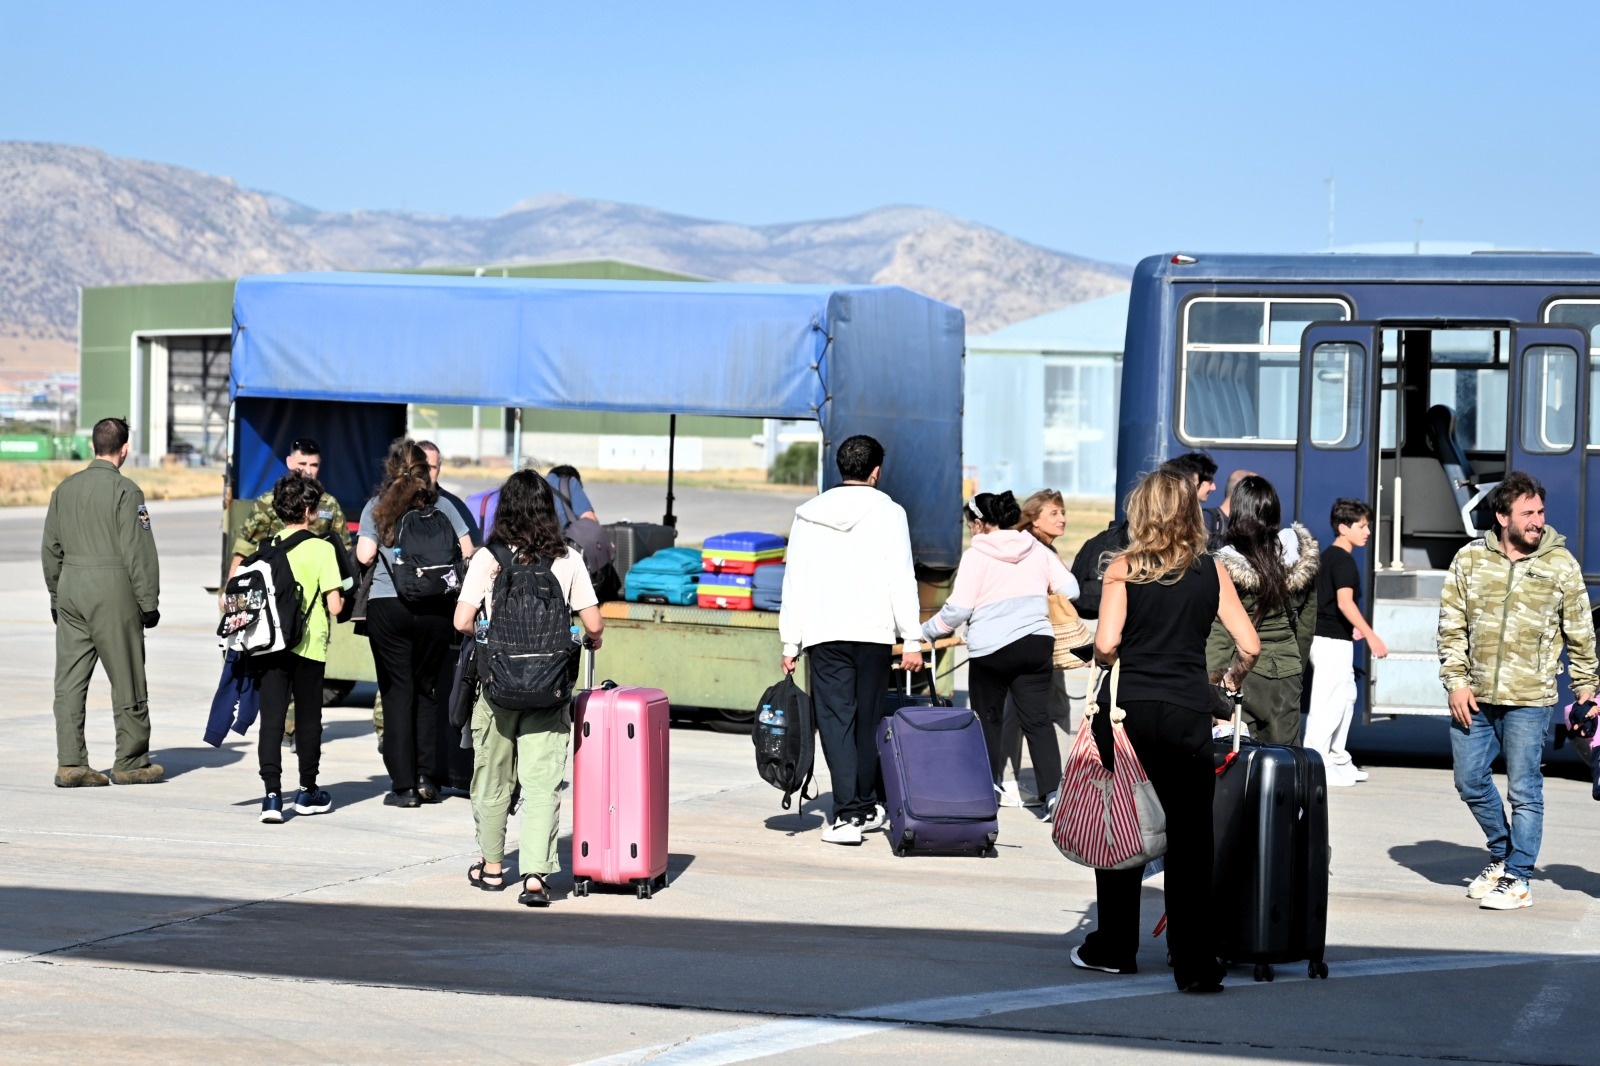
933, 670
1235, 698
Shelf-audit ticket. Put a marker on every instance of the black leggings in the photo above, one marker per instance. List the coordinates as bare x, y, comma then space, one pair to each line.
286, 674
1023, 669
1174, 747
408, 644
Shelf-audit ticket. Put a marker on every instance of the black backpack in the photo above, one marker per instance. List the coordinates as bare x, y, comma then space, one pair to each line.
785, 740
261, 611
427, 556
528, 660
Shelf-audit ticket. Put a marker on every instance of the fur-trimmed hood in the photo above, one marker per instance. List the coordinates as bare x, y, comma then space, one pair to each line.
1300, 555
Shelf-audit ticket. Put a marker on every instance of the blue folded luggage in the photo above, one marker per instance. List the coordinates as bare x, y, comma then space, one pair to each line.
671, 575
768, 586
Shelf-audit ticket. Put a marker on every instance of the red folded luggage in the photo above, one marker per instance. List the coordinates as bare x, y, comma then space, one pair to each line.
619, 787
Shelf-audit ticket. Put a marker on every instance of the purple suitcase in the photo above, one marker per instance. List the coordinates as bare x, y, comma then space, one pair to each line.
936, 781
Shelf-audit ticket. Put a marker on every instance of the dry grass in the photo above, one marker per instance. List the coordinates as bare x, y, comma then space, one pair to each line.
22, 484
1085, 518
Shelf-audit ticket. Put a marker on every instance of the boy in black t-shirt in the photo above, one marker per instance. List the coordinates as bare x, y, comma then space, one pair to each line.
1339, 619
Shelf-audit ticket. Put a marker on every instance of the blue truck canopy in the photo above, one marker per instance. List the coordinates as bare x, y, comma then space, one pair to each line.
856, 358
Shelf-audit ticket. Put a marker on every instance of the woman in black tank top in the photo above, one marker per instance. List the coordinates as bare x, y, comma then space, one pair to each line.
1159, 600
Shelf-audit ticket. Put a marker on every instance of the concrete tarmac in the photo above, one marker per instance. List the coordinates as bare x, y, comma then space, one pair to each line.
164, 923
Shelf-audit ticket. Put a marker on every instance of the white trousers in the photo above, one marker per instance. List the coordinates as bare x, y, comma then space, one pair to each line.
1333, 698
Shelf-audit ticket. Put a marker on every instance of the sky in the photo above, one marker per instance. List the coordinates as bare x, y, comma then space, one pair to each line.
1108, 130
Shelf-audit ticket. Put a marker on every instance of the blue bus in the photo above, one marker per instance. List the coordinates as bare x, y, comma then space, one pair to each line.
1412, 382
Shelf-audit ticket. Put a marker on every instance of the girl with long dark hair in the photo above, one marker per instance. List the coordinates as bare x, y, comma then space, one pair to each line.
409, 639
529, 746
1275, 571
1160, 600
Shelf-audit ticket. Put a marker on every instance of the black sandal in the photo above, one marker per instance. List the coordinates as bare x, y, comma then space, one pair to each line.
531, 897
478, 877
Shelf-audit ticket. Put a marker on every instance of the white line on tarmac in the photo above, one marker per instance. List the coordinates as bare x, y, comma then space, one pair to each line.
775, 1038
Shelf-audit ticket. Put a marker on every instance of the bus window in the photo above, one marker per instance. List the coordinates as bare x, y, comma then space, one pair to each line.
1549, 415
1585, 314
1468, 375
1338, 395
1388, 405
1241, 366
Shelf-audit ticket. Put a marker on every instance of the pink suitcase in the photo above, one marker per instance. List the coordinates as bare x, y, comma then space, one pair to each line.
619, 788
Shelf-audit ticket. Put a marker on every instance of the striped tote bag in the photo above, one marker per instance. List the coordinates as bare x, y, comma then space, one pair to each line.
1108, 819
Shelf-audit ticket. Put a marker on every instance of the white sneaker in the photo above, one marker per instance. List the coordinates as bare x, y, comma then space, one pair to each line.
1009, 795
879, 818
1487, 881
1361, 775
1341, 775
1050, 801
842, 831
1508, 894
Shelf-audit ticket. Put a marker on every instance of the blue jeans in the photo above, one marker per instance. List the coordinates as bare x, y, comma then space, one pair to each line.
1519, 733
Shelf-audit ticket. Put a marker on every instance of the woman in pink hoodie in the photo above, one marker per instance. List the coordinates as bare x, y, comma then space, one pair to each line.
1001, 592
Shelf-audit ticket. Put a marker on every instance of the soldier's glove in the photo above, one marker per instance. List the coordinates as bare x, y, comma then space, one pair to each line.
53, 619
149, 618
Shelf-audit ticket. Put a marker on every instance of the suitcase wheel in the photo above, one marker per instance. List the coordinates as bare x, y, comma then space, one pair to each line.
1317, 970
644, 889
1264, 972
908, 838
580, 886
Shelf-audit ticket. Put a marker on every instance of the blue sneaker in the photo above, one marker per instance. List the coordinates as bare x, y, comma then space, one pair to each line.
272, 809
312, 801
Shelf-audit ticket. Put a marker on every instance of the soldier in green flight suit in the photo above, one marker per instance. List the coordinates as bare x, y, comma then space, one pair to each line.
104, 579
305, 457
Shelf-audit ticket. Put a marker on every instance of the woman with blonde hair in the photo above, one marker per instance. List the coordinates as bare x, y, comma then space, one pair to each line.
1160, 598
1044, 515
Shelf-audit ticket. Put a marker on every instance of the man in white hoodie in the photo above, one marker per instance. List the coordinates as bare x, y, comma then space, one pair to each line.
849, 594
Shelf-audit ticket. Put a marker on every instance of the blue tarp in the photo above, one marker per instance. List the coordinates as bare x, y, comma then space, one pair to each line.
859, 359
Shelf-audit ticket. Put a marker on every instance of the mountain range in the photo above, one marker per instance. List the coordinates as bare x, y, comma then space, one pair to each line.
72, 216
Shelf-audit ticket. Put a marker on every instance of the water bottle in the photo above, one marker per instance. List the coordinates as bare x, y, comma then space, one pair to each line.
780, 722
577, 635
764, 716
480, 630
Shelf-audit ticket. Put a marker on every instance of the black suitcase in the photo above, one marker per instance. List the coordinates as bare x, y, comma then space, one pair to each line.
1270, 878
638, 540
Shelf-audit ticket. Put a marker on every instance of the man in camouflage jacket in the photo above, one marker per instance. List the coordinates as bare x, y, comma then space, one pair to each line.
1509, 605
304, 458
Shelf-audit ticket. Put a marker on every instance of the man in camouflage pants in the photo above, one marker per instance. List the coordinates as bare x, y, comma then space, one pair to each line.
1509, 603
304, 457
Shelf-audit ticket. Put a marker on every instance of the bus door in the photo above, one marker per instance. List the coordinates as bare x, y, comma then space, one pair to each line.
1549, 418
1337, 448
1338, 418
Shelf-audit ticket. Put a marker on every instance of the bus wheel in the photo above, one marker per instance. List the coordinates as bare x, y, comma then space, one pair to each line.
335, 692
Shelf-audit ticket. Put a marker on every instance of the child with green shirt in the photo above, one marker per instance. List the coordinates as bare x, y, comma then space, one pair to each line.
298, 670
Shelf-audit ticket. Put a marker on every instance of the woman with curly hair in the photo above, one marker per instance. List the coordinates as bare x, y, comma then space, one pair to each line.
527, 746
409, 638
1044, 515
1160, 599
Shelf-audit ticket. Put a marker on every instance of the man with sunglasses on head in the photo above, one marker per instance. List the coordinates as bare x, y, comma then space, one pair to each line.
304, 457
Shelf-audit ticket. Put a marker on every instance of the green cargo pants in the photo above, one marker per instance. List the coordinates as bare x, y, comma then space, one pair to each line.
98, 621
525, 746
1272, 708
